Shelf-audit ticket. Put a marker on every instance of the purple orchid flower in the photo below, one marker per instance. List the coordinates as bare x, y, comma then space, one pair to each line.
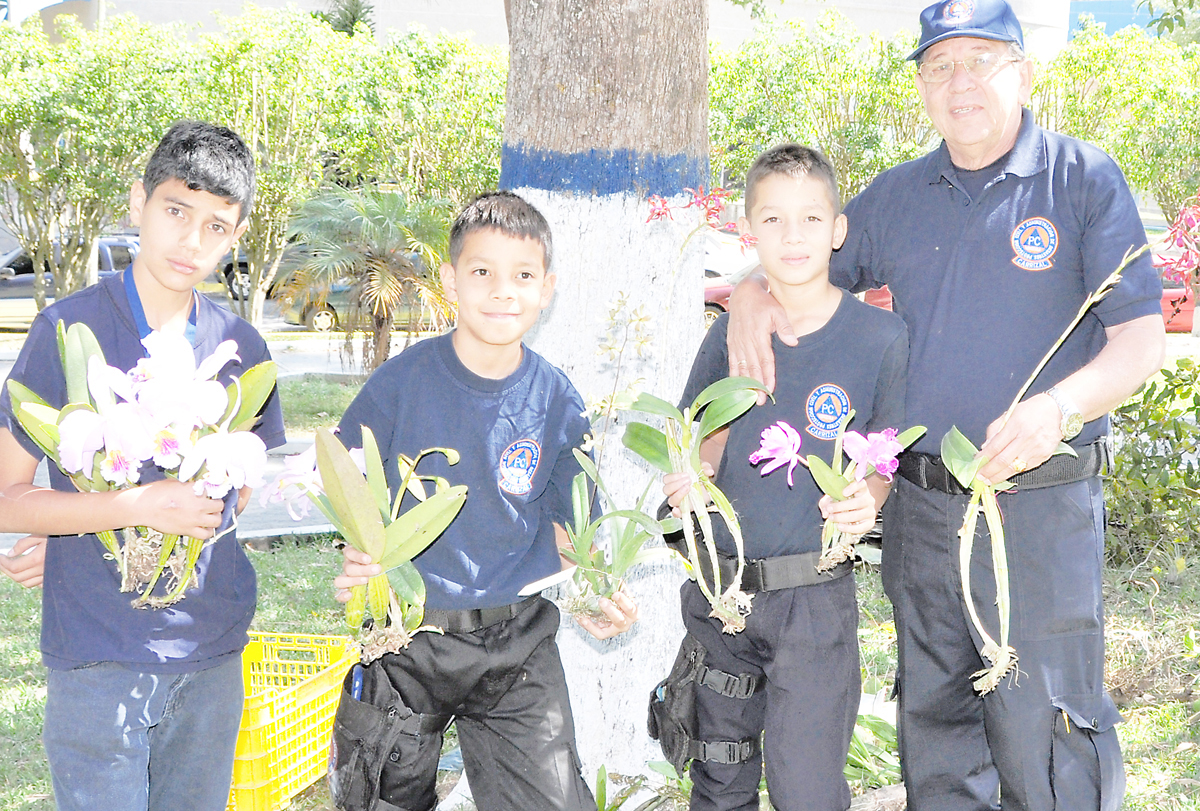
780, 443
878, 450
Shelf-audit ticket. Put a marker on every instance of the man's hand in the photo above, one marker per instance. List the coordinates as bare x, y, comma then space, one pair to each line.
357, 569
855, 514
26, 561
753, 315
172, 507
621, 613
1028, 439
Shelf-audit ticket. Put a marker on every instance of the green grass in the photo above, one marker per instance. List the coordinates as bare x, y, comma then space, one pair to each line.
312, 402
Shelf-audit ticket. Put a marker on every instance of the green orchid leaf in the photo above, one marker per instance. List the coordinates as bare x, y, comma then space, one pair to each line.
671, 525
589, 467
411, 617
653, 555
79, 346
649, 404
726, 386
409, 482
40, 421
376, 478
539, 586
410, 533
958, 454
719, 500
407, 583
322, 503
579, 501
724, 410
910, 435
1065, 450
349, 496
831, 484
256, 385
648, 443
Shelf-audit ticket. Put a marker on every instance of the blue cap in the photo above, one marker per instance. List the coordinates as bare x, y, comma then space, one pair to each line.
986, 19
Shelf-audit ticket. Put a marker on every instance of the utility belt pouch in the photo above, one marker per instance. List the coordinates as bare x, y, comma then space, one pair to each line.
371, 717
671, 719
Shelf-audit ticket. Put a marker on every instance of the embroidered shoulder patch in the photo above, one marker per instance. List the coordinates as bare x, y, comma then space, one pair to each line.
958, 12
517, 466
826, 407
1034, 243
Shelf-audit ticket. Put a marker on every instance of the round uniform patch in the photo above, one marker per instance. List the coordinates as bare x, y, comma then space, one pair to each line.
517, 466
826, 407
1034, 242
958, 12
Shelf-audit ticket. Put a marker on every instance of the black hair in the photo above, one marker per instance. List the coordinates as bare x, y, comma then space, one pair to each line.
795, 161
204, 157
505, 212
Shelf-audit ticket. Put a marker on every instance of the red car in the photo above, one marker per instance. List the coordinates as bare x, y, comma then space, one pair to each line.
716, 295
1178, 302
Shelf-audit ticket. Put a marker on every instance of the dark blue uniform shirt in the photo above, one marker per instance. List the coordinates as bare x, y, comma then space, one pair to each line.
987, 284
85, 618
856, 361
514, 436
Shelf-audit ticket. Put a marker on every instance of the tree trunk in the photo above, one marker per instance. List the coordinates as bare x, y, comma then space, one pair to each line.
606, 104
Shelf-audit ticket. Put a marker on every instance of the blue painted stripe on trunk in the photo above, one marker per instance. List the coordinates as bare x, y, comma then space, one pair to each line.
601, 171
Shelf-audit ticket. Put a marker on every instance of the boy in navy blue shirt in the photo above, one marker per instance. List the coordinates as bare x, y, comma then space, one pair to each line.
515, 419
143, 705
795, 666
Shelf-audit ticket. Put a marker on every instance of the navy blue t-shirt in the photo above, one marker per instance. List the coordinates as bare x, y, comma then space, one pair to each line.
514, 437
856, 361
987, 283
85, 618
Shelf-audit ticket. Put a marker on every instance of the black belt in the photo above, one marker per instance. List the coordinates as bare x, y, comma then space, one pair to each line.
472, 619
769, 574
927, 471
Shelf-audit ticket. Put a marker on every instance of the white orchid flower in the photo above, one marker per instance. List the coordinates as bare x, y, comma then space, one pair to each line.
229, 461
299, 478
121, 429
173, 388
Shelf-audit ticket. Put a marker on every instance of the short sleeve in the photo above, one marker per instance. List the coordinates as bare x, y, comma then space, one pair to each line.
558, 506
364, 410
39, 368
711, 362
851, 267
888, 409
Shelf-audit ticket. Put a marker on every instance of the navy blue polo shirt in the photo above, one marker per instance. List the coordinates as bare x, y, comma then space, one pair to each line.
987, 283
515, 437
856, 361
85, 618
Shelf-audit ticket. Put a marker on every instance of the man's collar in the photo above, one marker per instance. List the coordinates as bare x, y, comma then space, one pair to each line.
1025, 159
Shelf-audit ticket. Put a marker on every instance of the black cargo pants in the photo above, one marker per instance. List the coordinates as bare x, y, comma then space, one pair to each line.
505, 688
1044, 739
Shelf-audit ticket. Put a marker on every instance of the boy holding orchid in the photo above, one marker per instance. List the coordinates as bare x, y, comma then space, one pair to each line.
793, 673
514, 420
143, 704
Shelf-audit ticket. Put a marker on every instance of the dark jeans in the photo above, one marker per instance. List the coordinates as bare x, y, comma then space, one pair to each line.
805, 640
118, 740
1043, 739
504, 687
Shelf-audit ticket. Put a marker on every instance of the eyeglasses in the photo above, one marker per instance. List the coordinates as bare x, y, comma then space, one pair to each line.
981, 66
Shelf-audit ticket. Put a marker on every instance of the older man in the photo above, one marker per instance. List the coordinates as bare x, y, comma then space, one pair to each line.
990, 244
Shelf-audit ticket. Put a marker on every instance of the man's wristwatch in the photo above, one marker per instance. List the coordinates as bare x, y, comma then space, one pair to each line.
1072, 420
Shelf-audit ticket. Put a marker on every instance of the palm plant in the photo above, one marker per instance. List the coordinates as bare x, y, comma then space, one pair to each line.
382, 245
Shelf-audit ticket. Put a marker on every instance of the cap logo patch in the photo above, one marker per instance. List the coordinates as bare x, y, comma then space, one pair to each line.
517, 466
960, 11
826, 407
1034, 243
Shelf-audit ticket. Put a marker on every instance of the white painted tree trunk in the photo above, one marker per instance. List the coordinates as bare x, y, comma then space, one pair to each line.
605, 249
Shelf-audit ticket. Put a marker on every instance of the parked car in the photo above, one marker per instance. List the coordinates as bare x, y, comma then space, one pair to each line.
726, 261
1178, 303
115, 253
716, 295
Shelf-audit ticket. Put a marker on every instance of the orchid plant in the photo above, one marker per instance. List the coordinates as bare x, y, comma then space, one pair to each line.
962, 459
874, 453
350, 489
677, 450
167, 410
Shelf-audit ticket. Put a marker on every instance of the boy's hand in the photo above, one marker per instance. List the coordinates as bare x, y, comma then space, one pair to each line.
26, 561
676, 486
357, 569
621, 612
173, 508
856, 513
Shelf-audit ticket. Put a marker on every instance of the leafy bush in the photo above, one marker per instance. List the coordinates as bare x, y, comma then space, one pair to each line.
1155, 481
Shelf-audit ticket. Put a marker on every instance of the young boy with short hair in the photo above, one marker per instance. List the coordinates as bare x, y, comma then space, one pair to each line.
794, 670
515, 419
143, 705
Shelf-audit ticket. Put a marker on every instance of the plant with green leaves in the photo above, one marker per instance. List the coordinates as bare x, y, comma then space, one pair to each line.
166, 409
873, 761
361, 508
964, 462
677, 450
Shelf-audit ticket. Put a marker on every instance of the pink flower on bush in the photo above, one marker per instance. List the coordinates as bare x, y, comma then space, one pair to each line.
878, 451
780, 443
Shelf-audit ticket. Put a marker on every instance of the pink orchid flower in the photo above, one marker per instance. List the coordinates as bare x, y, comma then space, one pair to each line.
780, 443
878, 450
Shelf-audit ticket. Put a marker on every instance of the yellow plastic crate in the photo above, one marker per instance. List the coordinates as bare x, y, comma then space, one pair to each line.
292, 683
